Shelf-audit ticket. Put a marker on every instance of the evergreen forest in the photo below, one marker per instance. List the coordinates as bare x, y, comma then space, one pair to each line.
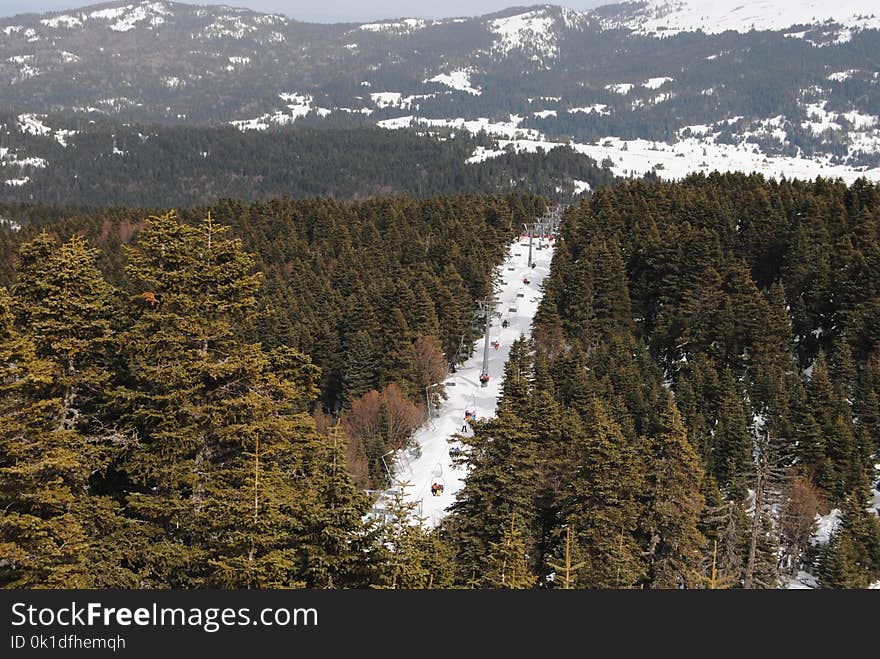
105, 162
201, 397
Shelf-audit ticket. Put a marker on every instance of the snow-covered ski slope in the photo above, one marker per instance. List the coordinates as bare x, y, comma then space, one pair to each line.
434, 464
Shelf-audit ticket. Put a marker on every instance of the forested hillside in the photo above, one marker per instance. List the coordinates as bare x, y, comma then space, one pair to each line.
165, 386
703, 349
199, 399
63, 162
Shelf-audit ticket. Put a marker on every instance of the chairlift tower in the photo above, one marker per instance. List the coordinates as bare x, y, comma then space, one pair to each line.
486, 307
528, 229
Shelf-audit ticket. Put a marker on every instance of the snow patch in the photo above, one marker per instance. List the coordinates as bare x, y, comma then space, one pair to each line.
12, 225
481, 154
620, 88
400, 27
596, 108
819, 120
533, 31
505, 129
840, 76
396, 123
367, 111
127, 17
459, 80
63, 20
296, 106
825, 527
654, 83
386, 99
397, 100
33, 124
696, 154
581, 186
858, 120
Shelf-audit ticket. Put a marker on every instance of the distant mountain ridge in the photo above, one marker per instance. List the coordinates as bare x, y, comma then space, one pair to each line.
764, 86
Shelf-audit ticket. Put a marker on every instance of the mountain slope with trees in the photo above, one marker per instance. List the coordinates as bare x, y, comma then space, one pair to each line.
804, 91
702, 384
109, 163
184, 408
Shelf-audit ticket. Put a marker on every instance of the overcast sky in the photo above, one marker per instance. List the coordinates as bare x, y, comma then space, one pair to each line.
328, 11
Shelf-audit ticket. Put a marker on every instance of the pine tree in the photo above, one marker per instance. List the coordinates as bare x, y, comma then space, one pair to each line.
224, 452
577, 304
62, 298
503, 483
828, 446
674, 544
852, 557
334, 547
507, 563
416, 557
611, 305
602, 506
516, 390
359, 374
732, 453
44, 471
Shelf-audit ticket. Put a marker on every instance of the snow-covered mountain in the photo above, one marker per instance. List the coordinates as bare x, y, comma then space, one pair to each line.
716, 92
668, 17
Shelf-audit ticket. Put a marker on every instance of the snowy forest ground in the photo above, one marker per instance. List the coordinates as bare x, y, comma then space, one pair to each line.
429, 460
825, 527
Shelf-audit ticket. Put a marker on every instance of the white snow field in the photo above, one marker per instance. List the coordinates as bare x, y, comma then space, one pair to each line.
434, 464
669, 17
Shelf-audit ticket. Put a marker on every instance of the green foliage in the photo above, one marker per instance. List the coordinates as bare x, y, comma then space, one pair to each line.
852, 557
603, 506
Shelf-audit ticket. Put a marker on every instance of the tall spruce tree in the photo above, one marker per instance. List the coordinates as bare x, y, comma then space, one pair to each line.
602, 506
224, 448
674, 544
732, 443
64, 301
43, 471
